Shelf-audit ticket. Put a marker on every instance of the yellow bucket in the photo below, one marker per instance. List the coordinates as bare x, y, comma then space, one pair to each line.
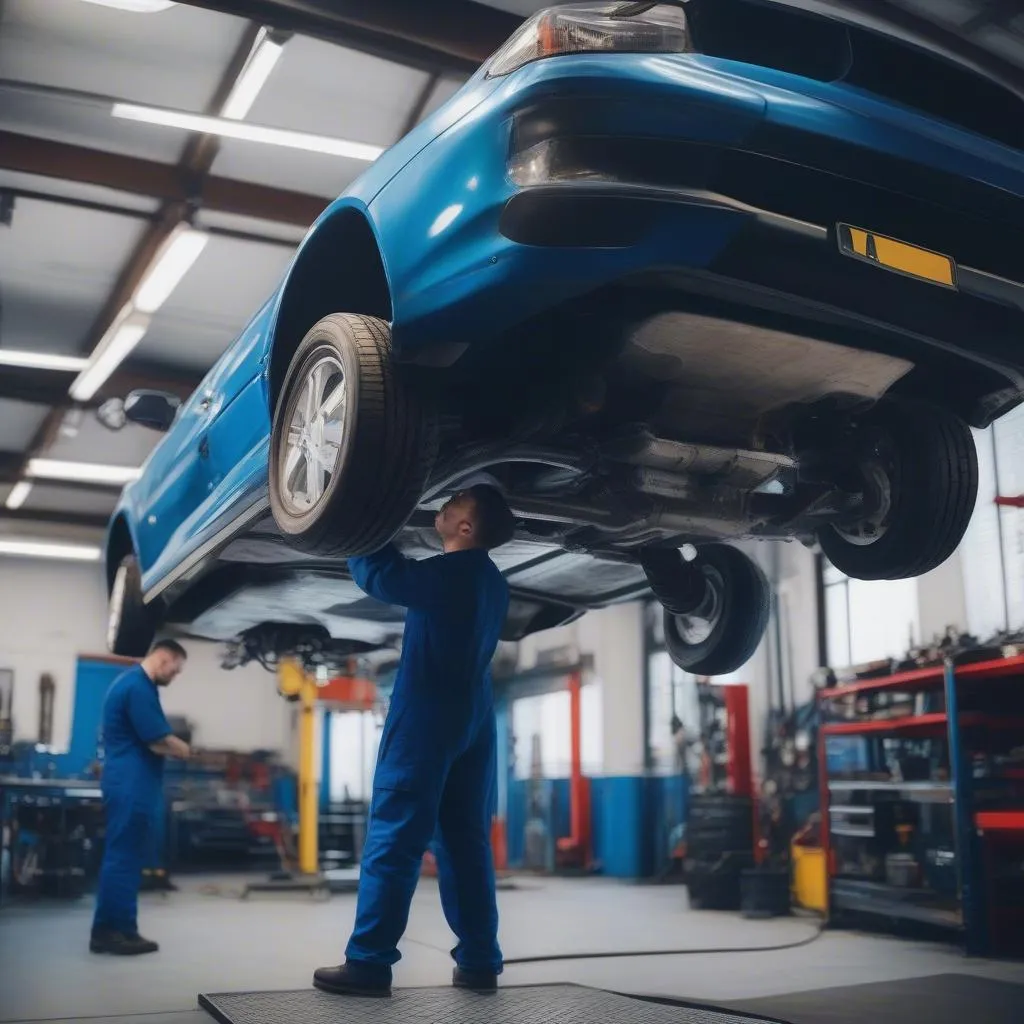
810, 877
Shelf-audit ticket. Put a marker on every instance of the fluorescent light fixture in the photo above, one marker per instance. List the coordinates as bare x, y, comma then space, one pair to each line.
41, 360
262, 60
46, 549
172, 262
80, 472
19, 494
247, 132
122, 336
136, 6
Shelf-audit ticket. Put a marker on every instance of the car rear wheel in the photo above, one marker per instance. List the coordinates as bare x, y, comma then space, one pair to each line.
722, 632
131, 623
353, 441
920, 470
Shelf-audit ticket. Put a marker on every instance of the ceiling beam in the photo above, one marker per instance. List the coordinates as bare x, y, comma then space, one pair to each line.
438, 36
134, 213
189, 180
30, 155
50, 387
30, 515
201, 149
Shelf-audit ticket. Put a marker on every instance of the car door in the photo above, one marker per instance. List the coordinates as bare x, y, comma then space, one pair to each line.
175, 481
217, 461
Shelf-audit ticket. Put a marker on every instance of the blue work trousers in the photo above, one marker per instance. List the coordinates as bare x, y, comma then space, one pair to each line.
452, 809
129, 825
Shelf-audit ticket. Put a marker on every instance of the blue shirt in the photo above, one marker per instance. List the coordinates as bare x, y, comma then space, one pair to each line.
132, 719
457, 607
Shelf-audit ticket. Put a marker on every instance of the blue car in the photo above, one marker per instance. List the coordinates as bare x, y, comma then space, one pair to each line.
671, 280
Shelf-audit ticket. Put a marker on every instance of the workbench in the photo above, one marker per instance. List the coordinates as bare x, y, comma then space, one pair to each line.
62, 820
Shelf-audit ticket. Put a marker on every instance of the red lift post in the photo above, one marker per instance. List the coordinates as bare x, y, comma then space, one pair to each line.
573, 851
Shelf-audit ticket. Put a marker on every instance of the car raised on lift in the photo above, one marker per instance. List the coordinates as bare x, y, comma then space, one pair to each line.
673, 276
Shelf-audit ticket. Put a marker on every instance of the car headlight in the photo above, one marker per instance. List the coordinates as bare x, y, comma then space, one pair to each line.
594, 28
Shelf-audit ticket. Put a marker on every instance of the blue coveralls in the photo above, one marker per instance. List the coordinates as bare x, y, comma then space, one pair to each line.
436, 765
132, 780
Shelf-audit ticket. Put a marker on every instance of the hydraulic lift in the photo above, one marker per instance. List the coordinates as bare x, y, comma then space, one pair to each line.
347, 692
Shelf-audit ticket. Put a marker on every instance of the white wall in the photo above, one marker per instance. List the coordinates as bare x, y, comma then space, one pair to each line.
614, 637
50, 612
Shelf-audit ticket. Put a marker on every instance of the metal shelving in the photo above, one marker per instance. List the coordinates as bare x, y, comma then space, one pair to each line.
969, 910
887, 901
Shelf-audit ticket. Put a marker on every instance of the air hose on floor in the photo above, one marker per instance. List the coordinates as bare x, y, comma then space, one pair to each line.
616, 954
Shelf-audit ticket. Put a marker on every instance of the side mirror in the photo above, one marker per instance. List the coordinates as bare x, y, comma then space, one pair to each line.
154, 409
111, 414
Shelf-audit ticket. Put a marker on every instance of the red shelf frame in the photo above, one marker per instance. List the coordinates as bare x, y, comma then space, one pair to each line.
921, 678
1000, 821
920, 723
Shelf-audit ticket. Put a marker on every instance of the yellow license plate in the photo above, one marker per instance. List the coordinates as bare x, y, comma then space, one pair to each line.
899, 257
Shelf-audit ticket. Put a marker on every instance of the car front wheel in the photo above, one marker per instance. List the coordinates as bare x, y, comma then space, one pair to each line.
919, 469
131, 623
353, 441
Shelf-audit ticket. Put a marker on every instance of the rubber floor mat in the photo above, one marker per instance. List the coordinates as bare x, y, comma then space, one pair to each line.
540, 1004
935, 999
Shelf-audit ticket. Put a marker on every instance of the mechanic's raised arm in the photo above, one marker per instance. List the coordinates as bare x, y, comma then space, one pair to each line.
391, 577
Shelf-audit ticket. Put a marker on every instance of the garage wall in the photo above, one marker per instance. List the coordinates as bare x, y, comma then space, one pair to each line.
50, 612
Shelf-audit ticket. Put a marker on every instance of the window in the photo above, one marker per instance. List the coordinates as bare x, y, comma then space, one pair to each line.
543, 721
868, 620
355, 736
992, 553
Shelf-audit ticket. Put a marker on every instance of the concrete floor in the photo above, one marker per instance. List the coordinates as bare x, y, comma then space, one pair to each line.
213, 942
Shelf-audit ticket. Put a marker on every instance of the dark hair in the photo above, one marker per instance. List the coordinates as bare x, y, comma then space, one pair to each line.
171, 647
494, 521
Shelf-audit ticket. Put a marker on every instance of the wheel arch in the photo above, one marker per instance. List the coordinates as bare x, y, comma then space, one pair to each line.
339, 269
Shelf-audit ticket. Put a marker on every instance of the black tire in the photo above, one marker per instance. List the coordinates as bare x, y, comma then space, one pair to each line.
387, 448
743, 599
719, 809
706, 842
928, 458
131, 623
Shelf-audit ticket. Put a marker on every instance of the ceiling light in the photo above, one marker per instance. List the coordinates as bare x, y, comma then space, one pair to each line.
136, 6
41, 360
19, 493
172, 262
262, 59
247, 132
81, 472
121, 337
45, 549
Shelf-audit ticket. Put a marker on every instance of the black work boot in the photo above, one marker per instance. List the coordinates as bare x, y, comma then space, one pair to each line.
120, 944
475, 981
354, 979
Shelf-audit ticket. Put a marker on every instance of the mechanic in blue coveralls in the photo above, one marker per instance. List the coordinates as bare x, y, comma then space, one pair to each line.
136, 740
436, 765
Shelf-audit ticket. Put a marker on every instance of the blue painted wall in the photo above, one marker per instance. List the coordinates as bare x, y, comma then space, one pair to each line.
633, 821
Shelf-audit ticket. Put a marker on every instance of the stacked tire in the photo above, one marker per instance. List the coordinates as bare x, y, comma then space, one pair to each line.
719, 848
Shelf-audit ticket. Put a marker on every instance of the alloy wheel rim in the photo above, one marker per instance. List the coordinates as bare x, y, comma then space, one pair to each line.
696, 627
313, 437
872, 528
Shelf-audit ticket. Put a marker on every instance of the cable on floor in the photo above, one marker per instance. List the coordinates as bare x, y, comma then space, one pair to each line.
713, 951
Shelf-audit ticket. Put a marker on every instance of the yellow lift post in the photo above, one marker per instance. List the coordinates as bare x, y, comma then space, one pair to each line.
294, 681
343, 693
